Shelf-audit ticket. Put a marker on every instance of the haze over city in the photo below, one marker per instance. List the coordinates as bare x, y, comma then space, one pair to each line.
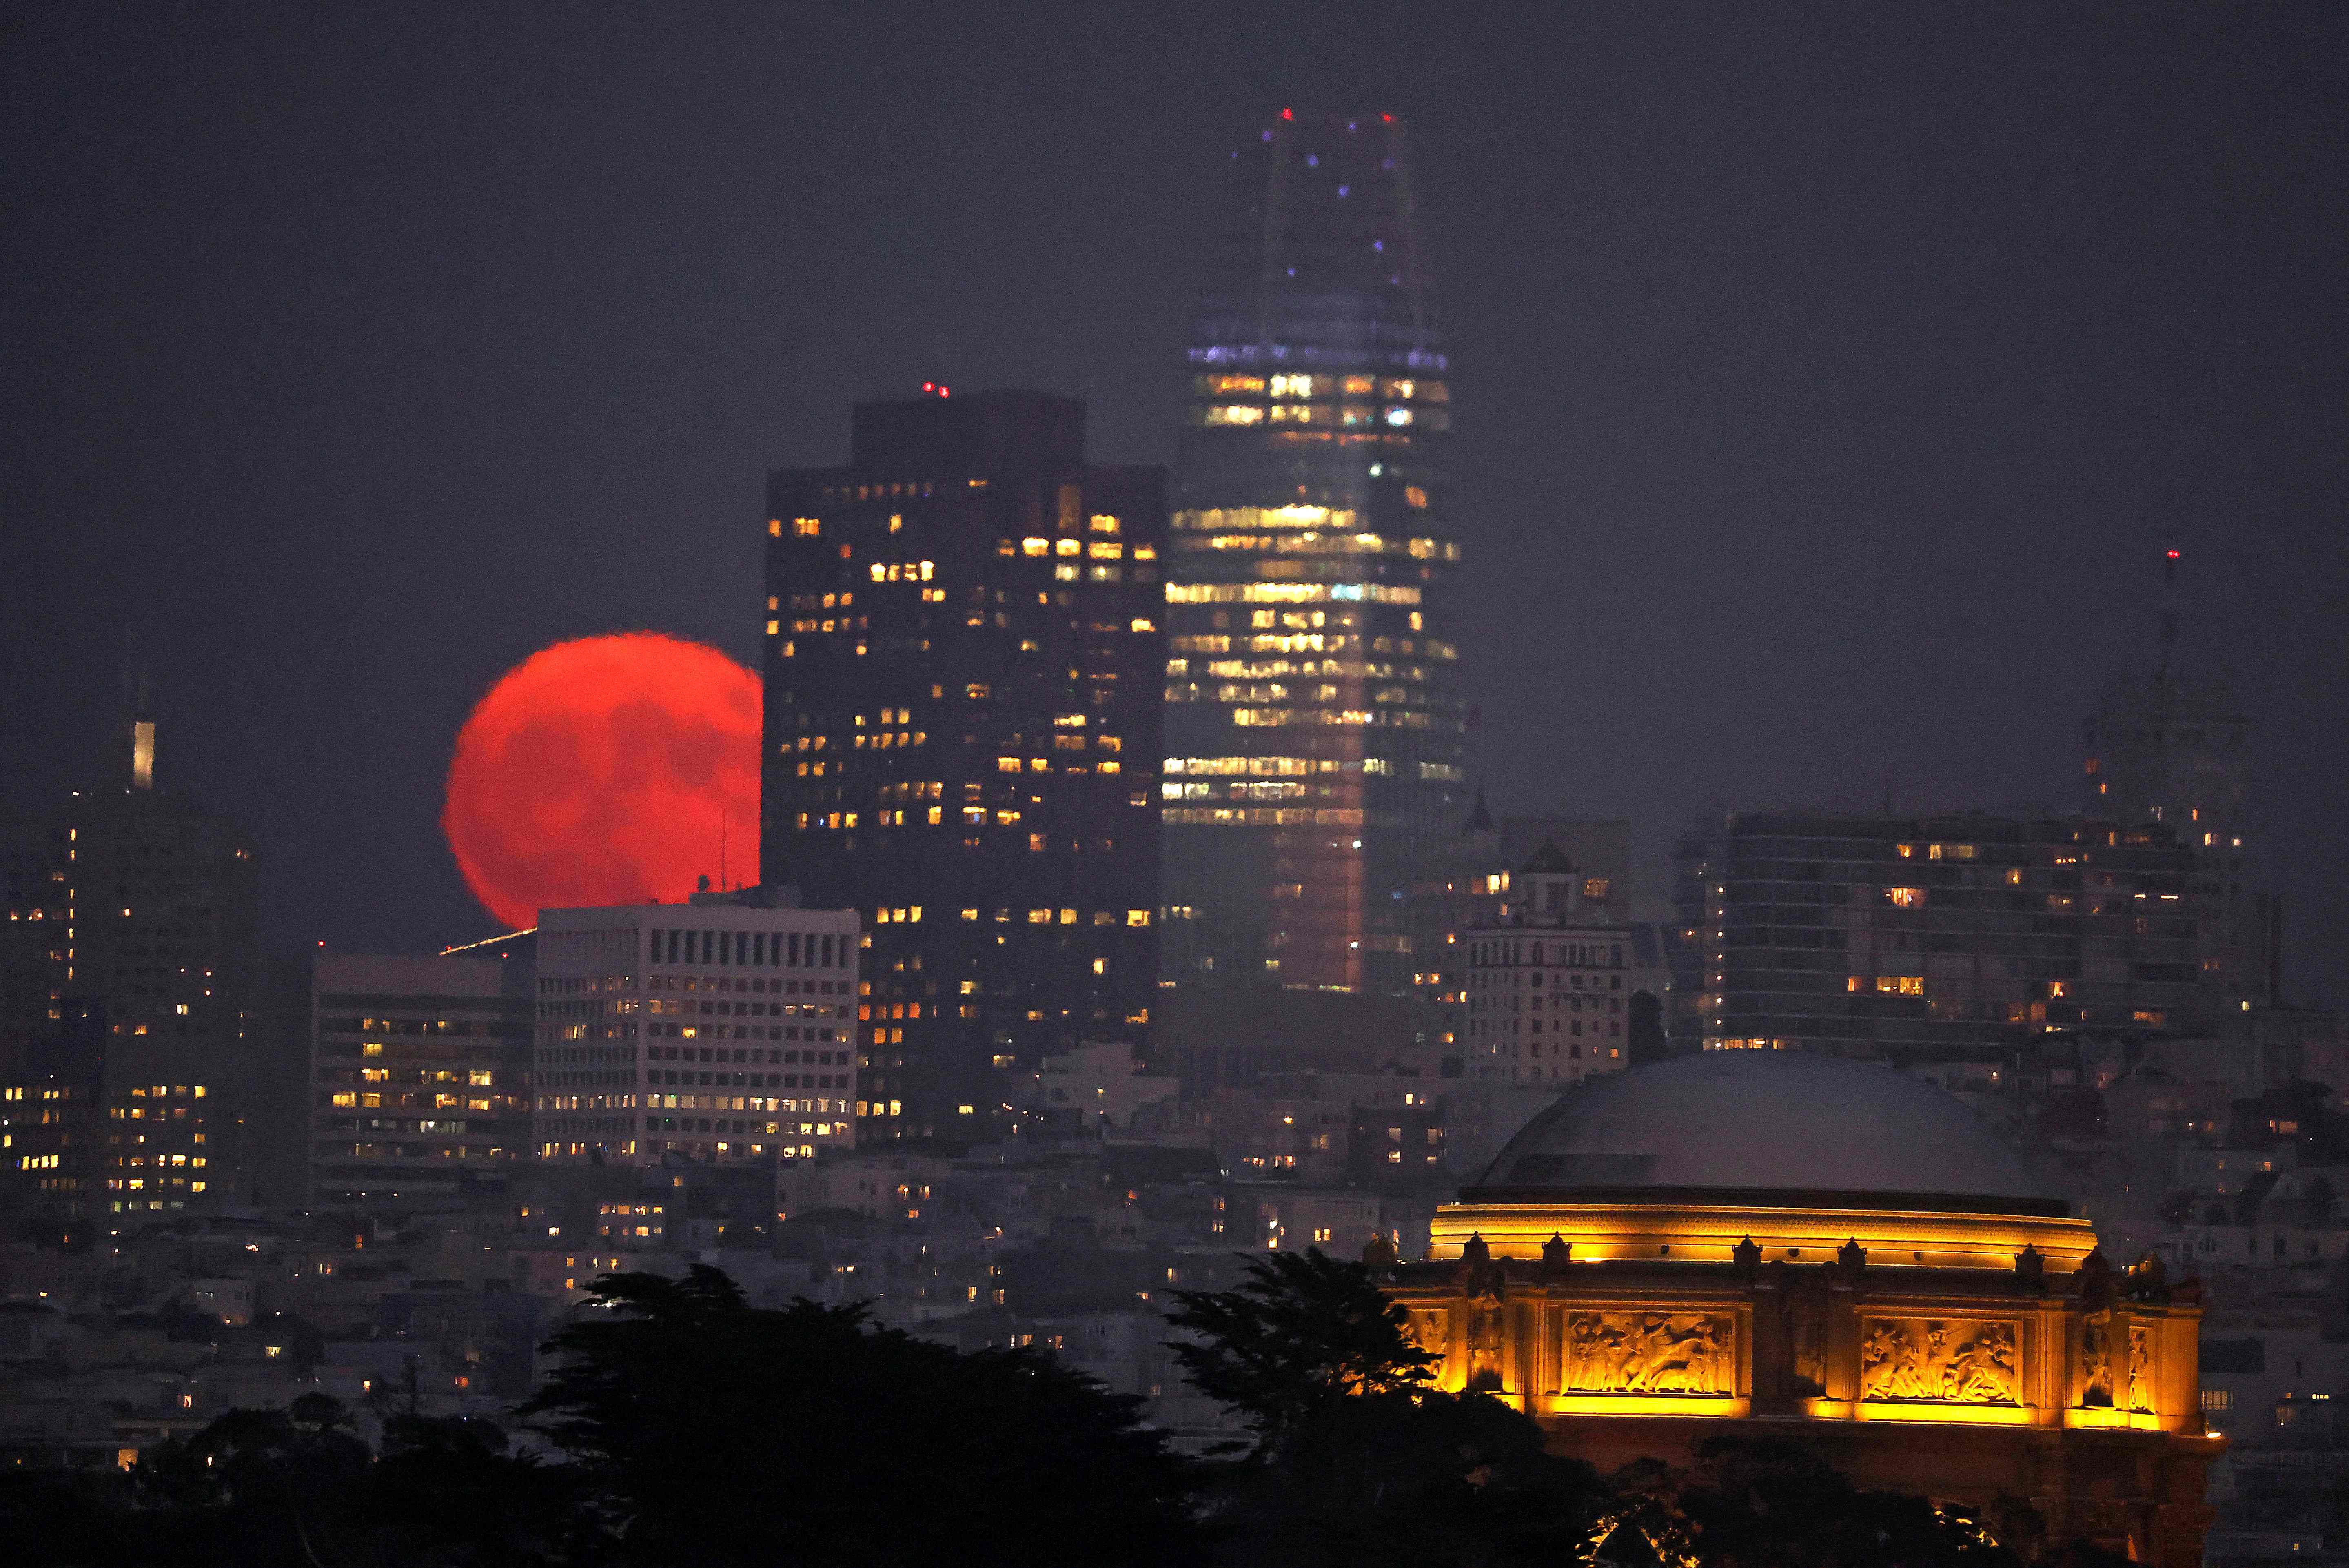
1830, 379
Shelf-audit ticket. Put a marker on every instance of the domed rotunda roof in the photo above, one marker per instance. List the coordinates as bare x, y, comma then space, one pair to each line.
1753, 1125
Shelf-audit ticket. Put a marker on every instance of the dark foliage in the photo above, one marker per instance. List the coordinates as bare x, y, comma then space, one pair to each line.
698, 1431
1359, 1459
1777, 1505
1305, 1334
716, 1433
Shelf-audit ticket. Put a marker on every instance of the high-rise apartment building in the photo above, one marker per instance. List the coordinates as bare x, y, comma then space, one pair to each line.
962, 739
146, 962
420, 1075
1948, 938
1313, 741
721, 1028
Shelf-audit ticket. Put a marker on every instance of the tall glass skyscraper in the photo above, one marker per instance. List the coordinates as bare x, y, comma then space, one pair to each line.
1313, 738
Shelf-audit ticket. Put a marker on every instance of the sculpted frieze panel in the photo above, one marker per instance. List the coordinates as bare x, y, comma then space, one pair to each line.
2096, 1361
2141, 1367
1946, 1360
1651, 1352
1431, 1329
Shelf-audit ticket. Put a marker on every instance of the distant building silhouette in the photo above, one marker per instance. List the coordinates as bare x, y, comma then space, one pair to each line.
2164, 747
963, 668
1314, 741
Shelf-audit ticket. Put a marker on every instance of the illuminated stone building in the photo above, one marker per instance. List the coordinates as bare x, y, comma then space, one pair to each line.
963, 663
148, 963
1552, 986
1828, 1254
420, 1075
1314, 744
1950, 938
723, 1028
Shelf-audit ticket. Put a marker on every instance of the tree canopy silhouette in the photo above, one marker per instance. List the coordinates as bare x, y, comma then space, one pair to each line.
1304, 1332
715, 1433
1359, 1460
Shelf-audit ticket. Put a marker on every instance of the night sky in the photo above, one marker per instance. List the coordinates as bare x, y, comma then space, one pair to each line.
1828, 380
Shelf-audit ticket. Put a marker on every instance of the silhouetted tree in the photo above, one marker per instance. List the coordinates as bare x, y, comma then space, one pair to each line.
1305, 1332
1774, 1503
712, 1433
260, 1487
448, 1493
2073, 1113
72, 1519
1644, 1038
1358, 1458
2254, 1193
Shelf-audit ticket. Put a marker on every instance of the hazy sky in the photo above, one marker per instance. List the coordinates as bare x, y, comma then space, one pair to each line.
1829, 379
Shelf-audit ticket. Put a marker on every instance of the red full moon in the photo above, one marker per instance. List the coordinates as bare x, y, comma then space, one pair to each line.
614, 770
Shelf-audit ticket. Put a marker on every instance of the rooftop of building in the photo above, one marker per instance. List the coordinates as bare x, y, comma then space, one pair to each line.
1750, 1126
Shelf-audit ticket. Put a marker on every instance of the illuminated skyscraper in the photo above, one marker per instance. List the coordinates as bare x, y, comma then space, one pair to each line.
1314, 744
963, 656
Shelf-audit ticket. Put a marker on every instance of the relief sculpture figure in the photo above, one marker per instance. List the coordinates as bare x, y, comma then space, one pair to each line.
1484, 1341
1892, 1363
1947, 1363
1649, 1353
2140, 1367
2096, 1361
1980, 1371
1807, 1333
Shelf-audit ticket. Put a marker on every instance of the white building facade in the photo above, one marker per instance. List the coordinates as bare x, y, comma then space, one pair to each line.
719, 1030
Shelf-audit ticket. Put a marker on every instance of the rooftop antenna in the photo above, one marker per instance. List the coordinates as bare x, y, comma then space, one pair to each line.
137, 693
2169, 637
723, 886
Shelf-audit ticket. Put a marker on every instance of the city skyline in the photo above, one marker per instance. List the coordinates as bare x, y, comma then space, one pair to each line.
1860, 404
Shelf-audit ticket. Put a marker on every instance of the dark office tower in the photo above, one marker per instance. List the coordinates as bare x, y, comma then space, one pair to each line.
962, 740
2172, 749
1314, 747
151, 964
